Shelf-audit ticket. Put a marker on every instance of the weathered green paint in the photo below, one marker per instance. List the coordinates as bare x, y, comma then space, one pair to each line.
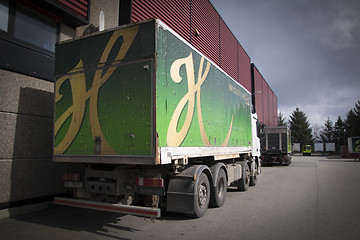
221, 99
124, 101
115, 76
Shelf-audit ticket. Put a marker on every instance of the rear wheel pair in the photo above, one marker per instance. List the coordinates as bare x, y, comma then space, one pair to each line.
244, 183
202, 197
253, 179
218, 193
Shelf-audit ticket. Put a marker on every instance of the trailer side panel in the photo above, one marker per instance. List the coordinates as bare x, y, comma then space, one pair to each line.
197, 104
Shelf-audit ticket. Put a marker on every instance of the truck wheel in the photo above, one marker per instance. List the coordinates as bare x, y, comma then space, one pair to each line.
288, 161
202, 196
218, 193
244, 182
253, 179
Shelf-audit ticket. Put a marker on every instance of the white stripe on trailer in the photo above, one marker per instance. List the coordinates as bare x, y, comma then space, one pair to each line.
171, 153
109, 207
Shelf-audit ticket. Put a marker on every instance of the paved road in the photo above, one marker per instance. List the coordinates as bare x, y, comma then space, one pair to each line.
314, 198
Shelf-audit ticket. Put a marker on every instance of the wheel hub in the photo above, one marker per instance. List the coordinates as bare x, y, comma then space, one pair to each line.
202, 195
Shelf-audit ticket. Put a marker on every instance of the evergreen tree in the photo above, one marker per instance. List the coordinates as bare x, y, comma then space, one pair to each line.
301, 131
339, 132
327, 131
281, 120
352, 122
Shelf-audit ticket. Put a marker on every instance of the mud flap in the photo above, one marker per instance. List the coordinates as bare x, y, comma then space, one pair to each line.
181, 191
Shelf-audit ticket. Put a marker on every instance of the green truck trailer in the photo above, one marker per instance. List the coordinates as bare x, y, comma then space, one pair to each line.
152, 121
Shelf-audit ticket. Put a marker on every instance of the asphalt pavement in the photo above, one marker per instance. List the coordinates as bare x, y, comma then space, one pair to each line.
313, 198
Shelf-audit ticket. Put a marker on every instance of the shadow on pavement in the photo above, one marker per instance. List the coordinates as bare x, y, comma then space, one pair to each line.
100, 223
76, 219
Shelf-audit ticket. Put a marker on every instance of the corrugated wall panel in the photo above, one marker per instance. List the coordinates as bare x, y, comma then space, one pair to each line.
265, 94
205, 20
79, 7
174, 13
244, 68
228, 51
266, 102
274, 109
270, 101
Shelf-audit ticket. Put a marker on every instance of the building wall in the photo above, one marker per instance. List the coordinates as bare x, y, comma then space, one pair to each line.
110, 9
25, 136
26, 126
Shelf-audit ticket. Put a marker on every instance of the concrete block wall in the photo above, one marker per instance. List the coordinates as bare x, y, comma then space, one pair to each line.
110, 9
26, 123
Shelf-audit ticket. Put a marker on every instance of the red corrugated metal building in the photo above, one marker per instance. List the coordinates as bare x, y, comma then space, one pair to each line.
266, 102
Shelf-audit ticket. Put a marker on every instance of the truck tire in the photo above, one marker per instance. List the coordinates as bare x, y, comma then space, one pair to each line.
288, 161
244, 182
202, 196
218, 193
253, 179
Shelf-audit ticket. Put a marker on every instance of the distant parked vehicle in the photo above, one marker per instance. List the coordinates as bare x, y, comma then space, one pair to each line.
276, 147
307, 150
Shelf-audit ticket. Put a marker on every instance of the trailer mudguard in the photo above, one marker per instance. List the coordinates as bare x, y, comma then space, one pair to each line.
182, 189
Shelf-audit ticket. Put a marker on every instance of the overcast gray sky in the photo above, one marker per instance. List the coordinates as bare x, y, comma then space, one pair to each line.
307, 50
